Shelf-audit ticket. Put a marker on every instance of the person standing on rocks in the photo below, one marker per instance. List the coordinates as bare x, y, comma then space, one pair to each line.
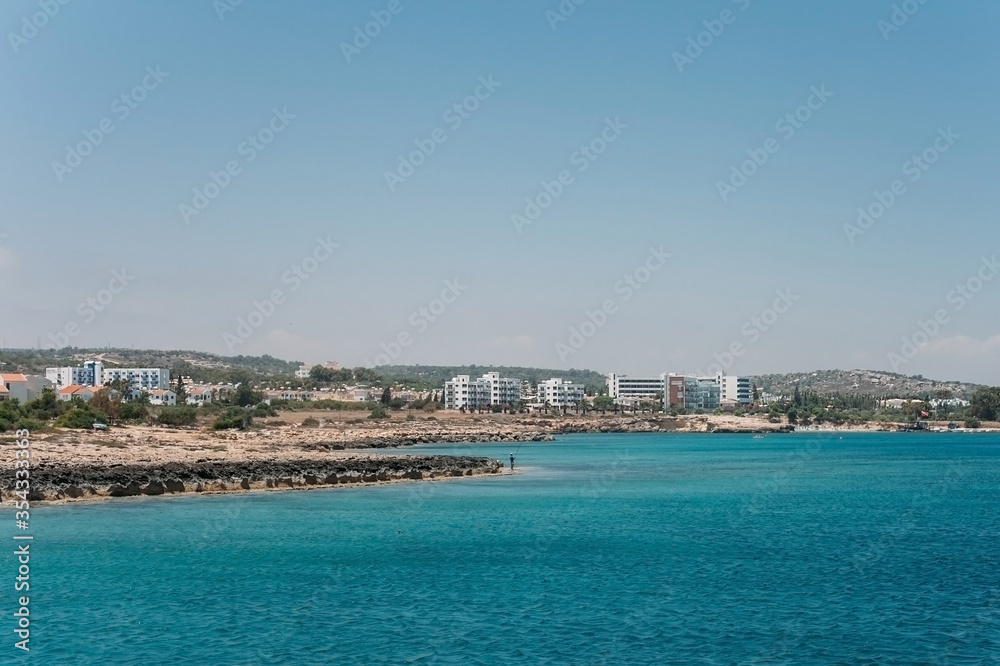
512, 461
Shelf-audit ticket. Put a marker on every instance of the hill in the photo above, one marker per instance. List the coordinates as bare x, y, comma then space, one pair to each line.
862, 382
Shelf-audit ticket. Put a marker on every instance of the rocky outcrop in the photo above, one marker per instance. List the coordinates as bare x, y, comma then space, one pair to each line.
57, 482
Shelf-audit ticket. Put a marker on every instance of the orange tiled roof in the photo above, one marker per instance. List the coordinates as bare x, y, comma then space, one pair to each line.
11, 377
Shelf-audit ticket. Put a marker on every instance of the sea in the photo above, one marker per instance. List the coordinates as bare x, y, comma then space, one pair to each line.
803, 548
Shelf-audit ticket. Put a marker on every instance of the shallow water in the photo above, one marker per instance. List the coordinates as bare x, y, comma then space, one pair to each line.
717, 549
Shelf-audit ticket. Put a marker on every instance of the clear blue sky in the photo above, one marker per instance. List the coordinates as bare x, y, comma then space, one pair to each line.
655, 185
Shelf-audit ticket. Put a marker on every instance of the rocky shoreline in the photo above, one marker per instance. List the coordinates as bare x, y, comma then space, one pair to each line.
53, 482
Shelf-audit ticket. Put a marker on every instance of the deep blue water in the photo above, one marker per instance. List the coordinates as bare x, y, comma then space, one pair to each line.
720, 549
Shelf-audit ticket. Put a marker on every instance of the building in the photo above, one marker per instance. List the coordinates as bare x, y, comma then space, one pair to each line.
625, 390
693, 393
735, 390
503, 390
198, 395
489, 390
162, 397
303, 371
93, 373
84, 393
708, 393
557, 392
14, 387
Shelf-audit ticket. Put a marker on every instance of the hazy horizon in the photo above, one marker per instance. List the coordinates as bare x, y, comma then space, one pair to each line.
570, 194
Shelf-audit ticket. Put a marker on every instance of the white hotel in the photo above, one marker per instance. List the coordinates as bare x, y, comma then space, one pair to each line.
687, 391
622, 388
558, 392
93, 373
490, 389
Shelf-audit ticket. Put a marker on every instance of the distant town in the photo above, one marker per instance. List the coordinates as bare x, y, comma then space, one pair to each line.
490, 392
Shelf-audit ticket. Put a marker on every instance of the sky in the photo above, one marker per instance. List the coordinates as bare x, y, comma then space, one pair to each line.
632, 187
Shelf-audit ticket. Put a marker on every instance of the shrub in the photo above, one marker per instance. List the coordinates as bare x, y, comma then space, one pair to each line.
263, 409
133, 411
233, 418
378, 411
972, 423
310, 422
181, 415
78, 417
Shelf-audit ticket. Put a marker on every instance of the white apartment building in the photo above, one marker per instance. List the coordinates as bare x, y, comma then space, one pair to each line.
559, 392
93, 373
503, 390
623, 388
735, 390
490, 389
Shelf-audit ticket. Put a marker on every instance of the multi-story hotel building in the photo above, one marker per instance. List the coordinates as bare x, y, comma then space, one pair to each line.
559, 392
622, 388
490, 389
93, 373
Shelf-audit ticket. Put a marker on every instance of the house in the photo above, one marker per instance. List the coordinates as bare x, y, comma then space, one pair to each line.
162, 397
199, 395
15, 387
37, 384
84, 393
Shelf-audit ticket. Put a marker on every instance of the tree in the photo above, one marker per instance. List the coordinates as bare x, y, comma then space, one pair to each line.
386, 395
182, 394
985, 403
246, 396
321, 374
102, 403
604, 403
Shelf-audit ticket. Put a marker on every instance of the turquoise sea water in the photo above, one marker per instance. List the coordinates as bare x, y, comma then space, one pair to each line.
687, 549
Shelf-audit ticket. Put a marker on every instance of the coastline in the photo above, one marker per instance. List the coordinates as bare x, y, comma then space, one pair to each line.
149, 461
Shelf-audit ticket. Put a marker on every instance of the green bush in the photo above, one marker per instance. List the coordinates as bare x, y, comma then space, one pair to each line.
180, 415
310, 422
234, 418
78, 417
972, 423
263, 409
133, 411
378, 411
